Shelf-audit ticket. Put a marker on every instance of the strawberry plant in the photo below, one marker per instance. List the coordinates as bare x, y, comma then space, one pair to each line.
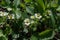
29, 20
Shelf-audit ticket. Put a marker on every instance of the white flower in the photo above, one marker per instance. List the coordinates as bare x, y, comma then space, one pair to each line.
12, 16
32, 17
27, 22
49, 12
3, 13
9, 9
38, 16
9, 16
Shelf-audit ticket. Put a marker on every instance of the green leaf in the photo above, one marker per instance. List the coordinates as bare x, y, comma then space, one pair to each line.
7, 1
44, 32
3, 38
53, 20
17, 13
15, 35
22, 5
29, 10
27, 1
1, 33
35, 28
8, 30
58, 9
2, 3
16, 3
47, 34
54, 3
59, 29
33, 38
41, 3
2, 19
25, 30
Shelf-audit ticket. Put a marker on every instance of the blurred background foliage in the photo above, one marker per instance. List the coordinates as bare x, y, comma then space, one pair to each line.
46, 28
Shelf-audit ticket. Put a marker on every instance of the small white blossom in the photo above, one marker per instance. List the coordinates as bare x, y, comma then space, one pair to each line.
38, 16
12, 16
49, 12
9, 9
9, 16
3, 13
27, 22
32, 17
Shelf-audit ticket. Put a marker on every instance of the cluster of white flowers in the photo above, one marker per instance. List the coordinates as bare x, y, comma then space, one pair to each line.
10, 16
3, 13
27, 21
6, 14
37, 15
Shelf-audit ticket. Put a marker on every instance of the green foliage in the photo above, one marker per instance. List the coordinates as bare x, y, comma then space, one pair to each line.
29, 20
